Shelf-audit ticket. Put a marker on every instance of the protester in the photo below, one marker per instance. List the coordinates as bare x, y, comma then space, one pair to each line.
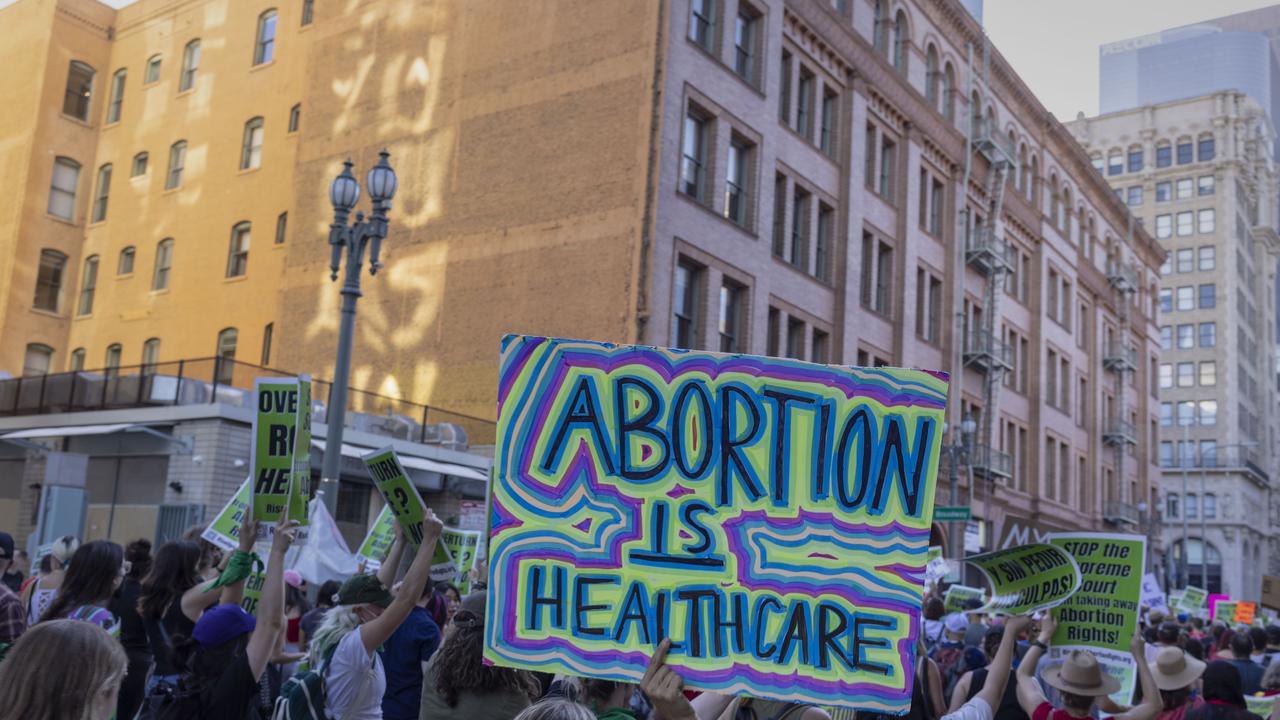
975, 634
1250, 672
12, 575
1271, 680
133, 633
457, 683
949, 653
934, 611
1175, 674
406, 653
97, 568
556, 708
224, 657
1259, 637
973, 682
171, 599
995, 686
37, 681
366, 615
1081, 682
13, 619
453, 598
295, 606
1195, 648
1223, 694
312, 618
39, 594
1273, 645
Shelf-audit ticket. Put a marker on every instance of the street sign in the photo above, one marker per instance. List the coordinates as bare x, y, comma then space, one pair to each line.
960, 513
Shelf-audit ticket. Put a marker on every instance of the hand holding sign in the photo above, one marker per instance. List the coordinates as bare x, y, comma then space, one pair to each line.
665, 688
248, 533
283, 536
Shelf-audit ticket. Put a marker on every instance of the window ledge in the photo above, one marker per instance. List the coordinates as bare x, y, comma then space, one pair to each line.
124, 276
237, 278
61, 220
171, 191
189, 91
95, 223
161, 291
48, 313
249, 170
86, 316
76, 120
140, 176
263, 65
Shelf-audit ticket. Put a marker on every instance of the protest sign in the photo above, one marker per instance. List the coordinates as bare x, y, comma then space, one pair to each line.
224, 531
770, 516
393, 483
958, 595
1027, 579
300, 484
377, 543
1102, 615
461, 546
1223, 609
1192, 599
1152, 596
1261, 705
1245, 612
935, 567
282, 417
472, 515
253, 591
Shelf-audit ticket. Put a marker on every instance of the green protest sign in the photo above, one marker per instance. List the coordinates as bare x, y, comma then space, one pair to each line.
1224, 610
958, 595
1027, 579
393, 483
377, 543
224, 531
300, 486
1192, 599
274, 451
1261, 705
253, 592
1102, 615
462, 545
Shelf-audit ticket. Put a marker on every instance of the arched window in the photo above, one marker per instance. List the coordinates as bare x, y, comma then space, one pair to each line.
62, 188
1011, 179
38, 360
947, 93
177, 162
251, 145
88, 285
49, 280
1193, 505
153, 70
79, 92
1055, 200
975, 114
1164, 154
124, 265
139, 164
932, 76
150, 355
164, 261
264, 48
101, 194
1032, 195
901, 41
238, 253
295, 117
1065, 217
880, 31
77, 360
112, 359
1024, 169
190, 65
1203, 565
226, 356
116, 101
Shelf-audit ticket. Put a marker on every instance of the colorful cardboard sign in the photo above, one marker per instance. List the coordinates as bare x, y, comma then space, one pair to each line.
1027, 579
1152, 596
281, 464
1102, 615
224, 531
1193, 599
398, 491
958, 595
462, 547
770, 516
377, 543
1245, 612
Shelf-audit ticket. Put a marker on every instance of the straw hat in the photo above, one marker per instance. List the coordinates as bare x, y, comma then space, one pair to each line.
1080, 674
1174, 669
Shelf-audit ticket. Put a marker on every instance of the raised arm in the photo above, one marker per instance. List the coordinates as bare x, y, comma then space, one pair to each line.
391, 563
375, 632
1030, 696
998, 672
1152, 703
271, 607
232, 593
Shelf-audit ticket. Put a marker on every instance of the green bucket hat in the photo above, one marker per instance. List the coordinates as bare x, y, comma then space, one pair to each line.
363, 590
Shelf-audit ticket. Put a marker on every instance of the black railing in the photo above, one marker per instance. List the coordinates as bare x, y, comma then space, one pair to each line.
218, 380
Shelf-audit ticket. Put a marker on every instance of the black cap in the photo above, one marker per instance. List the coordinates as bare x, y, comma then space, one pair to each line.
973, 604
6, 546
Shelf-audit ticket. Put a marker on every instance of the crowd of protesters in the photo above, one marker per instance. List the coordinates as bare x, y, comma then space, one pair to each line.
162, 634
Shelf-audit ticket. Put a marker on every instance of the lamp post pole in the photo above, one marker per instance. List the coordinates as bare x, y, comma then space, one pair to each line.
354, 238
958, 451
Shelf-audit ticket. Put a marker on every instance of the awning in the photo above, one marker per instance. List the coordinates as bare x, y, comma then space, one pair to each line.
68, 431
413, 461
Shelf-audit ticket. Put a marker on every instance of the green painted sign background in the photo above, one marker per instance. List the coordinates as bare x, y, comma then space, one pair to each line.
398, 491
957, 595
377, 543
463, 546
224, 531
274, 449
300, 485
1027, 579
1192, 599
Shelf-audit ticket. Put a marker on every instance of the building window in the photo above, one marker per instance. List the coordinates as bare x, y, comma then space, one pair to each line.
1204, 185
804, 103
1208, 412
295, 117
1166, 414
101, 194
1164, 191
308, 14
1210, 500
1208, 257
737, 172
827, 133
684, 323
264, 49
62, 188
1205, 221
251, 145
124, 264
1184, 152
746, 31
1186, 258
77, 360
694, 159
1115, 163
38, 360
1208, 373
888, 158
773, 328
1205, 149
267, 333
928, 306
79, 90
238, 254
164, 261
795, 338
150, 355
702, 24
139, 165
1166, 300
116, 100
1208, 334
1182, 189
1164, 226
190, 65
1186, 374
49, 281
732, 306
177, 160
800, 228
88, 285
1186, 298
111, 361
1166, 337
880, 31
820, 347
1184, 223
779, 214
901, 41
1166, 375
1135, 160
877, 274
784, 90
1134, 196
1186, 336
282, 222
226, 356
152, 73
932, 75
822, 247
1164, 155
948, 94
1208, 296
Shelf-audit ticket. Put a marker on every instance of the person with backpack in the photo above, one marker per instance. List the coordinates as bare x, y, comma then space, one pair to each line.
38, 593
228, 650
975, 680
344, 650
97, 568
949, 653
410, 647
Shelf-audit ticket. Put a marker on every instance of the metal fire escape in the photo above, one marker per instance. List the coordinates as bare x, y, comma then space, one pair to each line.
1120, 357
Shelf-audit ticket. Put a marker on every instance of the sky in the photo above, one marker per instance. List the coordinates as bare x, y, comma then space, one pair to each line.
1053, 45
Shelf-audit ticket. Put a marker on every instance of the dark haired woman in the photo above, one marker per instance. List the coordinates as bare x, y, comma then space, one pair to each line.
133, 635
1223, 695
457, 683
97, 568
171, 599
